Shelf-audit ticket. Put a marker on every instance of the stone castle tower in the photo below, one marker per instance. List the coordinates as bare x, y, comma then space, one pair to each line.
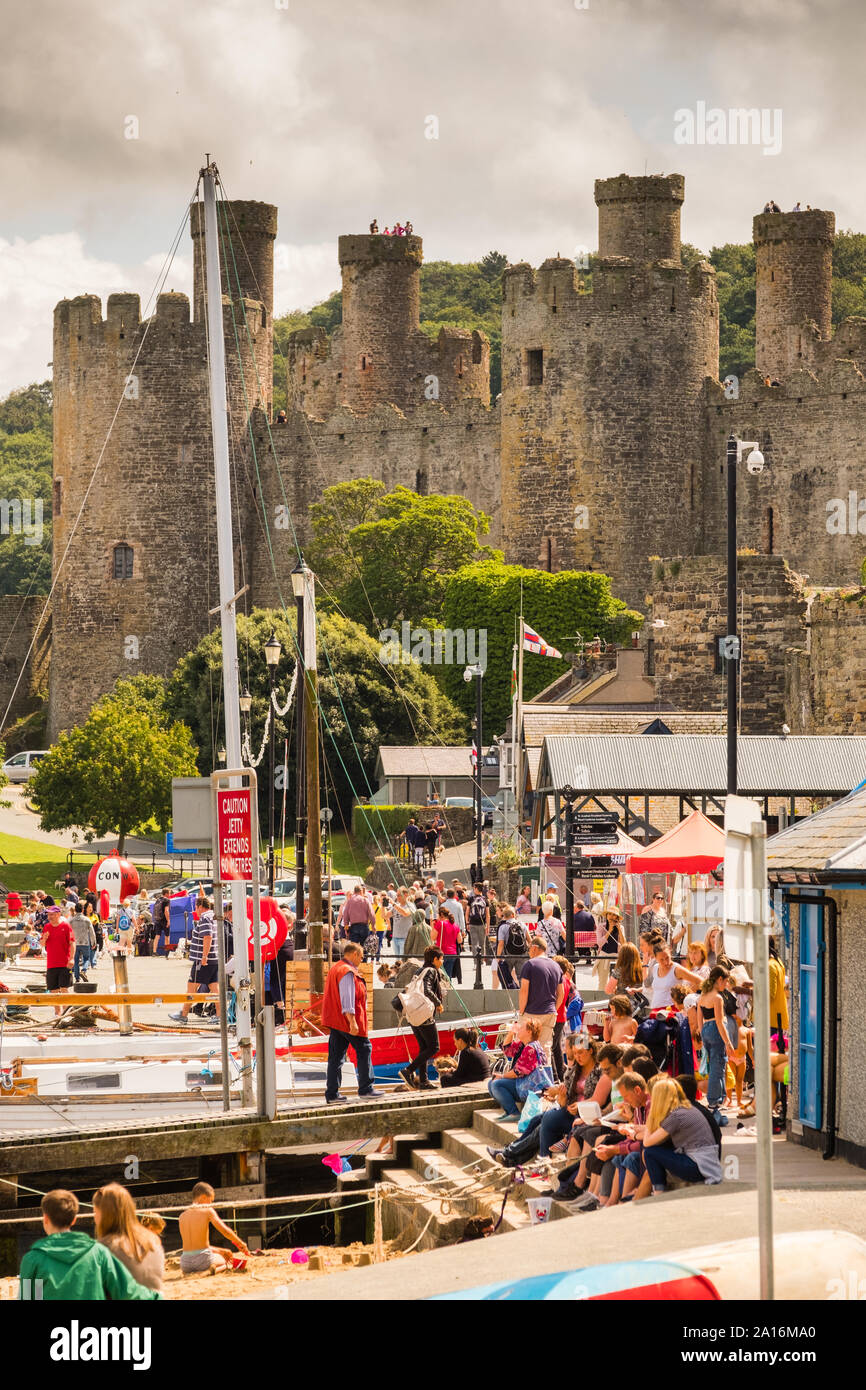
139, 572
379, 355
601, 418
606, 447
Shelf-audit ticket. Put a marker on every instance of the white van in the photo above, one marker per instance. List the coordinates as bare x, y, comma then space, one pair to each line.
21, 766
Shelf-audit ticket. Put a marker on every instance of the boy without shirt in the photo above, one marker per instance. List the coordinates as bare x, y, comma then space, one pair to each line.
195, 1222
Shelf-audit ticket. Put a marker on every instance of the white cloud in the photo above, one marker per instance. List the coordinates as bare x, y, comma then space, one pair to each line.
320, 109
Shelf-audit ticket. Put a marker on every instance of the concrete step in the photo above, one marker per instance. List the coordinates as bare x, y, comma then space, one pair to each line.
487, 1130
407, 1212
377, 1164
492, 1130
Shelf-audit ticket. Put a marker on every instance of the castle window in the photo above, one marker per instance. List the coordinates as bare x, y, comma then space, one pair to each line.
476, 350
58, 495
459, 366
768, 531
549, 554
123, 558
534, 366
421, 482
366, 362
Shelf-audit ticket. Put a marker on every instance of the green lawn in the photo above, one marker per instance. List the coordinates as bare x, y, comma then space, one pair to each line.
348, 857
30, 864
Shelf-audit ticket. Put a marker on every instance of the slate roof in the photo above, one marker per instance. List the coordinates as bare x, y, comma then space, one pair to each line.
769, 764
832, 839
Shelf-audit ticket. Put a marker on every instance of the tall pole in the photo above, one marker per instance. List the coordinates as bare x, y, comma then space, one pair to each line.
227, 587
300, 770
732, 661
763, 1071
313, 827
479, 853
569, 877
273, 752
518, 786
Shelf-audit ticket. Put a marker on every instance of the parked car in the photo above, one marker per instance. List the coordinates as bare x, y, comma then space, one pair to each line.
21, 766
488, 806
341, 886
184, 885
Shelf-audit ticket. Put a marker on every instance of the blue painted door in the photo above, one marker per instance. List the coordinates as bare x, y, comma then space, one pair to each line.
810, 1048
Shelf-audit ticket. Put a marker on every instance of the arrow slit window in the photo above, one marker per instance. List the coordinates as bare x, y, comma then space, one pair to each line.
123, 560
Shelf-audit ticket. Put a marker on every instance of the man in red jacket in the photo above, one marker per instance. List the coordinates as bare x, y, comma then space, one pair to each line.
344, 1014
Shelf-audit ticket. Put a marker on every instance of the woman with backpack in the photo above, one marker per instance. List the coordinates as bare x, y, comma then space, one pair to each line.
422, 1001
512, 948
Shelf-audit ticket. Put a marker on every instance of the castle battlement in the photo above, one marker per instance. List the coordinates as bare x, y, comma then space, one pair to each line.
618, 283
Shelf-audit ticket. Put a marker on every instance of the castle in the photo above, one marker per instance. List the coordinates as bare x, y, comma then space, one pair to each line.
605, 449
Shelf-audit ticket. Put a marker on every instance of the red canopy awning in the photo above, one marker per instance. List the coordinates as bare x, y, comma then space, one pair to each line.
695, 846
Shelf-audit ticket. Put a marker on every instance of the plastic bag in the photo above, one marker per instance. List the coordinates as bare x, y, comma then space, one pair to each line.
531, 1108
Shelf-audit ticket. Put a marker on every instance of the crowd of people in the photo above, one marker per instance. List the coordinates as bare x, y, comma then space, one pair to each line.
647, 1097
125, 1259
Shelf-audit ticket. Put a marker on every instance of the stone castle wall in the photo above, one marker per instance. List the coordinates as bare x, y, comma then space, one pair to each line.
837, 662
804, 649
689, 598
430, 450
812, 431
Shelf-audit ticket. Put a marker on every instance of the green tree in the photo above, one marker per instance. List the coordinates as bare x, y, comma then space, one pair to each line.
113, 773
392, 552
25, 485
363, 703
558, 606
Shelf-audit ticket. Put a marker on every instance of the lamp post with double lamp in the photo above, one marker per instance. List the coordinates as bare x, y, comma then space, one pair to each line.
475, 673
729, 645
246, 703
272, 657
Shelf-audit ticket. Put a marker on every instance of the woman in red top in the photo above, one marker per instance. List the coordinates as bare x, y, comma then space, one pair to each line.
446, 935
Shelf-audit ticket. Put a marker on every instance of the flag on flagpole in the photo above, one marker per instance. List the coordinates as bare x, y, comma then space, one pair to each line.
473, 756
537, 645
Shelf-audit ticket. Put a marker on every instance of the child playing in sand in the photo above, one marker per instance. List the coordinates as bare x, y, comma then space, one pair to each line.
198, 1256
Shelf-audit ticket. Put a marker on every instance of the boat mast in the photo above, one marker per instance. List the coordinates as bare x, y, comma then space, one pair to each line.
227, 591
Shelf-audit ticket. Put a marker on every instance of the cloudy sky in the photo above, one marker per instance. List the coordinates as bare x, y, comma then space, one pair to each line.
323, 108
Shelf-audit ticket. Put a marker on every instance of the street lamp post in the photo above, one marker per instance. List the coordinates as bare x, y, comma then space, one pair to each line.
475, 673
729, 645
246, 703
272, 657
